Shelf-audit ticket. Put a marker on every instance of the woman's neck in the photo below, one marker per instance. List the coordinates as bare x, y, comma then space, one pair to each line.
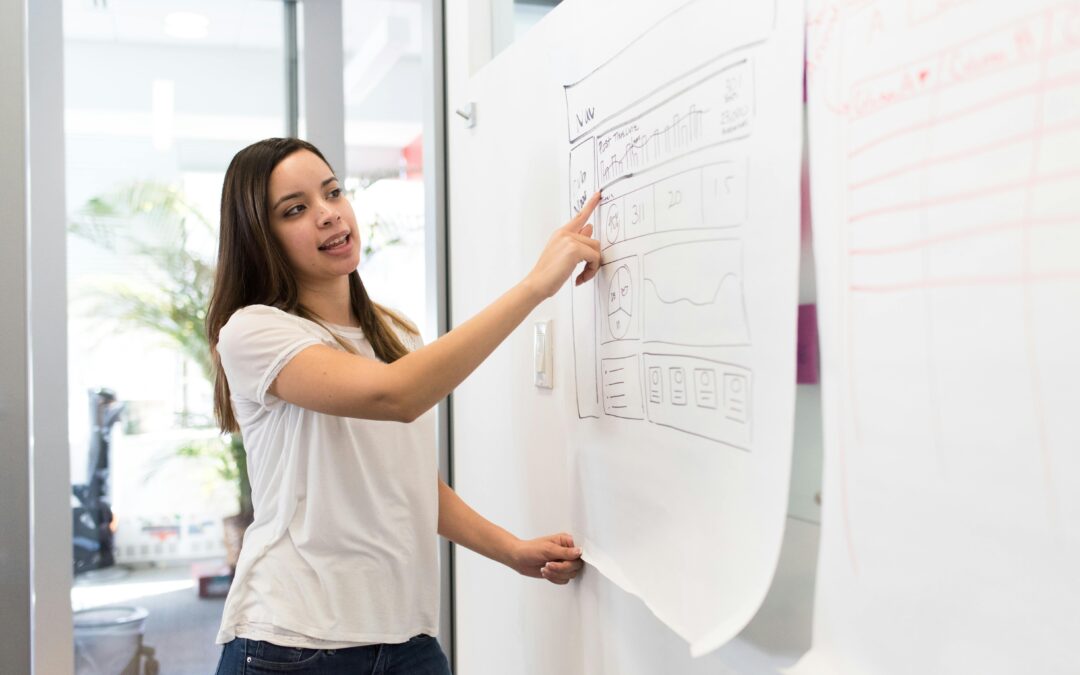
330, 302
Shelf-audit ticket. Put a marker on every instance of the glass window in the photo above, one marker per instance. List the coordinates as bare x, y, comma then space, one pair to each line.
513, 18
383, 79
528, 13
158, 98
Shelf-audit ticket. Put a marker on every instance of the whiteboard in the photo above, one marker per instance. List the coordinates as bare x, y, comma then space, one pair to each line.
677, 494
945, 159
684, 345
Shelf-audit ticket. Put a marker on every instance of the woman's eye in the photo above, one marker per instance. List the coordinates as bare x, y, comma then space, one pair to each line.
292, 211
336, 192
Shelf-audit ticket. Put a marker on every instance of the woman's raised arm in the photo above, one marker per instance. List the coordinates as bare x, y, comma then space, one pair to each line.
337, 383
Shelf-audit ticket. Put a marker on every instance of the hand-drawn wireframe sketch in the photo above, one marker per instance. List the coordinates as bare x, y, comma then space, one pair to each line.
667, 173
619, 284
706, 197
622, 388
707, 398
709, 110
582, 172
723, 194
620, 298
686, 116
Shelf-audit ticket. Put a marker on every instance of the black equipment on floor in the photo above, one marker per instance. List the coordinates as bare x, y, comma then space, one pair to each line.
92, 516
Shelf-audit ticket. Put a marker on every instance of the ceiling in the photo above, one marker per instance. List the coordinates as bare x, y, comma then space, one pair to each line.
382, 42
240, 23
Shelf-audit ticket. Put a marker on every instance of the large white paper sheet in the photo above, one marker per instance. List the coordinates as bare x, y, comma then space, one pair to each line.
945, 160
684, 346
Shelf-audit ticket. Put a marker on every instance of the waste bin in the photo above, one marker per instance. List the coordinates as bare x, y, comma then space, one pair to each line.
108, 641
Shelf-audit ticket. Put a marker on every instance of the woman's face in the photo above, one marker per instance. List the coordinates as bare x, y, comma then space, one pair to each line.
312, 220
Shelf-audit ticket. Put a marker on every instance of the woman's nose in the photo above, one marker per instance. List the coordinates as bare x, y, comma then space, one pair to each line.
328, 216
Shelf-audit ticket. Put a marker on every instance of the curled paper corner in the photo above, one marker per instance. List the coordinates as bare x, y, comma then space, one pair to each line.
698, 646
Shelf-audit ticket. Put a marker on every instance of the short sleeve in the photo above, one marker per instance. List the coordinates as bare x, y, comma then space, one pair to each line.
254, 345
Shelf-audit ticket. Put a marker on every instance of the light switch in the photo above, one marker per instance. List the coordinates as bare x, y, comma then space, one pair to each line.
542, 354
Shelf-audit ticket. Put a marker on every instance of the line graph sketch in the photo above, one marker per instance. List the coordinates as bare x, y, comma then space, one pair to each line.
693, 295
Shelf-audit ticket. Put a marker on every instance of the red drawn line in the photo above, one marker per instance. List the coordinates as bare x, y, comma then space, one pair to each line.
954, 81
1012, 23
1017, 280
823, 34
962, 196
963, 112
941, 9
965, 234
968, 152
870, 110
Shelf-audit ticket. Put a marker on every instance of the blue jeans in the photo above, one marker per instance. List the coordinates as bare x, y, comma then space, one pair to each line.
419, 656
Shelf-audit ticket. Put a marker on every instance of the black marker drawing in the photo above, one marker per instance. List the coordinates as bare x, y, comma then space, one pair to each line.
618, 300
712, 196
675, 183
703, 397
693, 295
715, 110
622, 387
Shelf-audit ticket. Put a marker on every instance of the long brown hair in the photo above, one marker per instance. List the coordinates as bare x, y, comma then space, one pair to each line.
252, 268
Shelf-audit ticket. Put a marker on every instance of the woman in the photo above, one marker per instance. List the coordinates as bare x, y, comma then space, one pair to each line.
333, 394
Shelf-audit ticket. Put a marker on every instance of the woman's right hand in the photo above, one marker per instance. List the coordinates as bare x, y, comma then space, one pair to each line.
571, 244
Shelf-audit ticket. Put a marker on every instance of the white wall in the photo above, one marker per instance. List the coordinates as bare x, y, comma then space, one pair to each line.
510, 439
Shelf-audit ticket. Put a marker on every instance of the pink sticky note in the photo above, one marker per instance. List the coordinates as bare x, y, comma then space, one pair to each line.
806, 369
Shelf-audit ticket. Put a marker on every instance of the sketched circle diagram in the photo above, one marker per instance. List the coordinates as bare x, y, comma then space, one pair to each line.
620, 302
612, 225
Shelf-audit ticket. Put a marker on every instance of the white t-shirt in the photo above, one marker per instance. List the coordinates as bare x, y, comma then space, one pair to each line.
343, 550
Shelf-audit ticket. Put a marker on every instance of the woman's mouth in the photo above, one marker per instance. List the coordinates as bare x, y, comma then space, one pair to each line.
336, 243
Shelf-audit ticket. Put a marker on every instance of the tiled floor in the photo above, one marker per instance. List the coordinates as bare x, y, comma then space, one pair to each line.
180, 626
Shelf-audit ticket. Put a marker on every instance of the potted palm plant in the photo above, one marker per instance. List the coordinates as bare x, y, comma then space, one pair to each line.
172, 242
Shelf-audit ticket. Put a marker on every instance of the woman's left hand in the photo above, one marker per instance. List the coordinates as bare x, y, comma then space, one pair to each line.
553, 557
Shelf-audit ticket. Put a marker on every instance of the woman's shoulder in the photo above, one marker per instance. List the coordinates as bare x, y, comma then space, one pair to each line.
261, 319
253, 315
